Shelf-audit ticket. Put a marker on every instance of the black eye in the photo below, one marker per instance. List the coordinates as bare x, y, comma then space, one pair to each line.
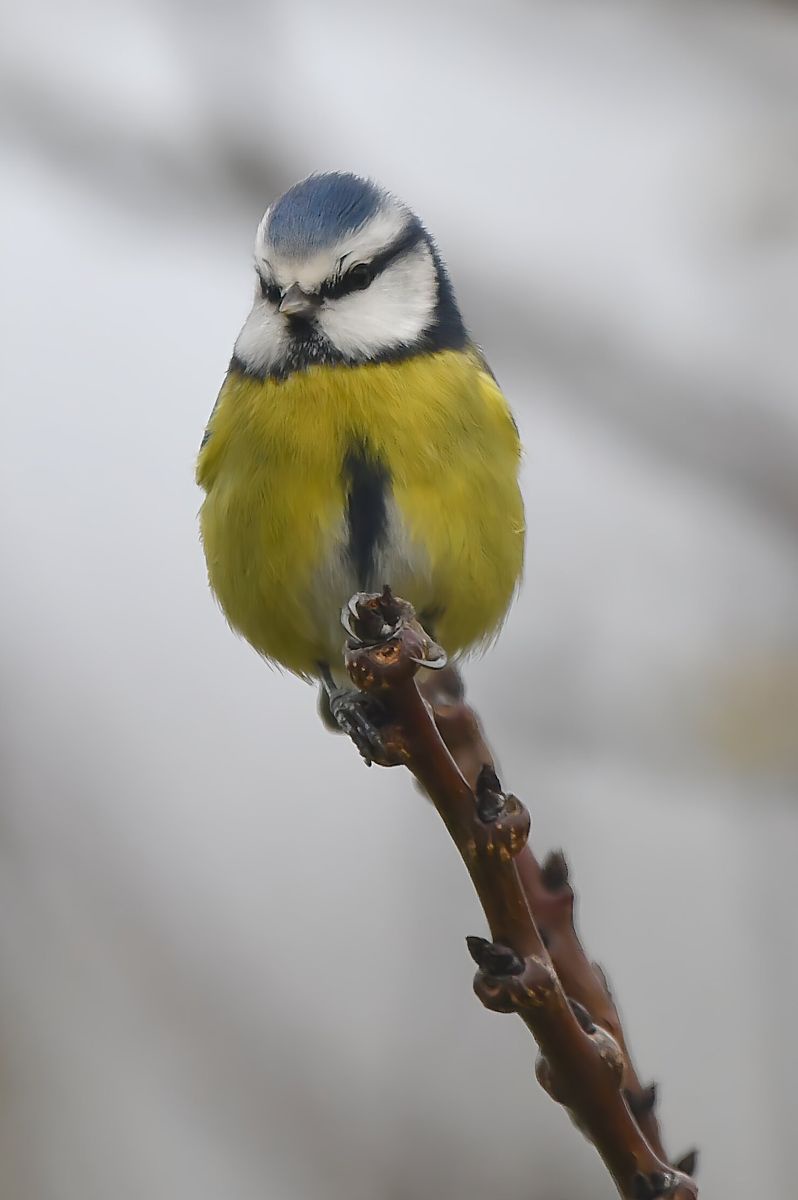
269, 291
358, 278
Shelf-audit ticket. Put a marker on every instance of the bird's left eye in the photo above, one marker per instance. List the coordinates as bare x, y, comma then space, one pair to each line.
358, 277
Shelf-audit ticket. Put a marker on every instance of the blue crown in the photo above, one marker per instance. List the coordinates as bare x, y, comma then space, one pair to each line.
319, 211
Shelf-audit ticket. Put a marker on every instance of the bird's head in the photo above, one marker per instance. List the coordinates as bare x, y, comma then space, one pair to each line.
346, 273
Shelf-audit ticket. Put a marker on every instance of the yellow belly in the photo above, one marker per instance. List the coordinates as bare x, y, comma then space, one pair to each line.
274, 520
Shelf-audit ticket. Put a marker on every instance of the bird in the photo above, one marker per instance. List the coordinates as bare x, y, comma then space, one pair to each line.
359, 440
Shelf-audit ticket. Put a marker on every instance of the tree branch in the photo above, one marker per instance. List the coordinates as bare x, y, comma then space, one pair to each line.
534, 965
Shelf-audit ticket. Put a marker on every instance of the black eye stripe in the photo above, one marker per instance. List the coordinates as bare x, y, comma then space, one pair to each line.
269, 291
354, 280
342, 285
406, 240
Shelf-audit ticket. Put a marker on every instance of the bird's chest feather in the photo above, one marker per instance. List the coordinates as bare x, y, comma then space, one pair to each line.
307, 484
344, 478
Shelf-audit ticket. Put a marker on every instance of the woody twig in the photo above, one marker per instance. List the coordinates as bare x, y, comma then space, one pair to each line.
533, 964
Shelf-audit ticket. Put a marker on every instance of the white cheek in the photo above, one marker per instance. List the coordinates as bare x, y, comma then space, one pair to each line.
263, 341
392, 312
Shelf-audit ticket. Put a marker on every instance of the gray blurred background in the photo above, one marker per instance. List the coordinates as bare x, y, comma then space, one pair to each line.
231, 959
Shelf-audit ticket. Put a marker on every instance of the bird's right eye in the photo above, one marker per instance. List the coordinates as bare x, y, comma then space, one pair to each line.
269, 291
358, 277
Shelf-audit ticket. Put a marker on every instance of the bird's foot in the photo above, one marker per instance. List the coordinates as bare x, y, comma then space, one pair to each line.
371, 618
359, 716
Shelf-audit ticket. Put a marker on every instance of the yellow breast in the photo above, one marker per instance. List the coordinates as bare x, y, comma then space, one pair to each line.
277, 522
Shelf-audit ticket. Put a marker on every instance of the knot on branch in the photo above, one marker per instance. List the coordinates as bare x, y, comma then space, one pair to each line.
604, 1046
641, 1103
688, 1163
507, 983
656, 1184
554, 872
491, 800
504, 823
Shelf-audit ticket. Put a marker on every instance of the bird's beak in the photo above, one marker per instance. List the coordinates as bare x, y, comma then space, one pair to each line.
296, 303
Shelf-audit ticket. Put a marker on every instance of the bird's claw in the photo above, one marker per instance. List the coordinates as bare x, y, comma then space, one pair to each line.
357, 714
372, 618
435, 657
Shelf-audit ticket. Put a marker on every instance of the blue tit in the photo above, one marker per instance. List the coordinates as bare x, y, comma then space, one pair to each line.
359, 439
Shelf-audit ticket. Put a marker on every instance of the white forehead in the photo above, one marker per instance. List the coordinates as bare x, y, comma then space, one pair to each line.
377, 232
